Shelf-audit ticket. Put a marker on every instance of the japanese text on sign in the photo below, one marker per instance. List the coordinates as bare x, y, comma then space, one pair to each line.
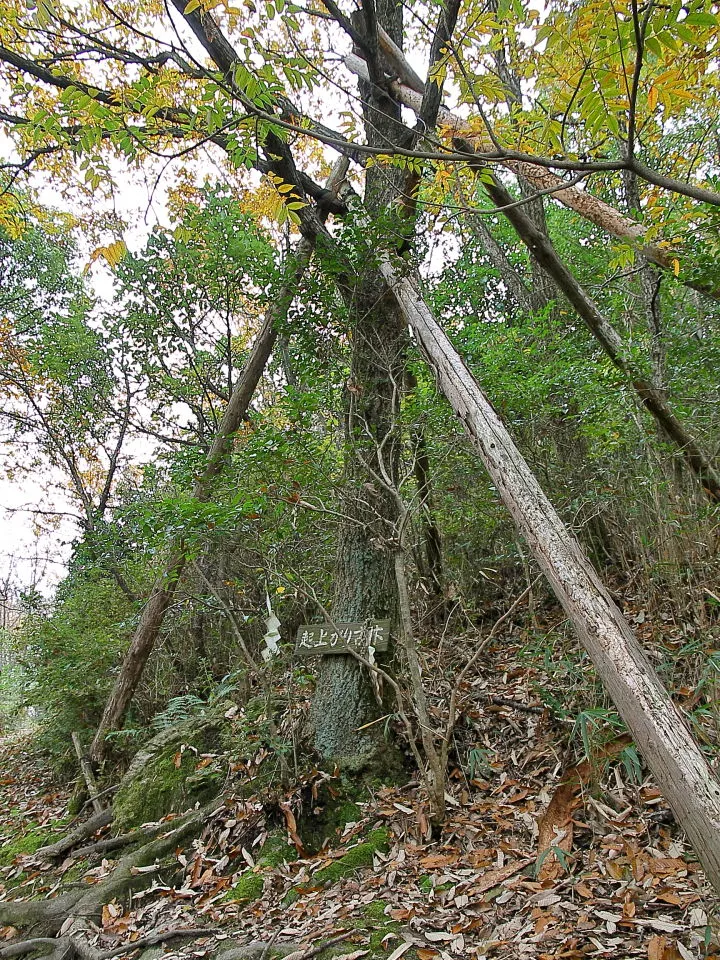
320, 639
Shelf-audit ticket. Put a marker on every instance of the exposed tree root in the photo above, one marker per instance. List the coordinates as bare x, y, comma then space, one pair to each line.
69, 946
106, 845
61, 927
43, 918
260, 950
54, 851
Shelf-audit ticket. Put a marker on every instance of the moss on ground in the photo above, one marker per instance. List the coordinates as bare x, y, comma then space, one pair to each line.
76, 872
327, 820
24, 845
356, 858
166, 785
375, 925
249, 885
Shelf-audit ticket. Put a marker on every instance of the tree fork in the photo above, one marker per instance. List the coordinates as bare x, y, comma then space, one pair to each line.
656, 725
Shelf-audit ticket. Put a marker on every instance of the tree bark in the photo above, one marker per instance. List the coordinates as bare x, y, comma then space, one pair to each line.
652, 718
163, 592
344, 702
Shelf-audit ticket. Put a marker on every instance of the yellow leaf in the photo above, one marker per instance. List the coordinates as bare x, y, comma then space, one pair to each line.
112, 254
652, 97
115, 252
676, 267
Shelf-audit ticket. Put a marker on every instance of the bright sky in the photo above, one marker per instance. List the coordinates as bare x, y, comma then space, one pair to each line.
29, 557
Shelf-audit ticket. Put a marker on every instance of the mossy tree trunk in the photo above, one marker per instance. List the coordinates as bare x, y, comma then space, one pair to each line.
365, 583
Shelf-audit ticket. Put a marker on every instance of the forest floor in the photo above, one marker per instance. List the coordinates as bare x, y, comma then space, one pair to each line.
619, 881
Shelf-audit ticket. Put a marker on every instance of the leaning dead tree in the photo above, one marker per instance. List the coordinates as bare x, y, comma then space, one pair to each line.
649, 394
654, 721
408, 89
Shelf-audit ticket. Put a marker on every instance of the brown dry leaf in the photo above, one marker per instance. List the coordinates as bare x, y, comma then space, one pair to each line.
660, 948
482, 857
556, 825
492, 878
401, 913
656, 948
629, 907
666, 866
291, 824
7, 933
439, 860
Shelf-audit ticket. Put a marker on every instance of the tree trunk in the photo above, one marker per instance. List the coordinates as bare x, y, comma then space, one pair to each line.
428, 523
344, 701
652, 718
163, 592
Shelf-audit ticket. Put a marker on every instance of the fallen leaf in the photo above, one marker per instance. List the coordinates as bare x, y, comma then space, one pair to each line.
399, 951
493, 878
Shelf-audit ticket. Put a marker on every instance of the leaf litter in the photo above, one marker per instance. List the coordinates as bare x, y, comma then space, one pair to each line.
538, 858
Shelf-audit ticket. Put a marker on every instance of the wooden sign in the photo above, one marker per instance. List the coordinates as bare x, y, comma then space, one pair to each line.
320, 639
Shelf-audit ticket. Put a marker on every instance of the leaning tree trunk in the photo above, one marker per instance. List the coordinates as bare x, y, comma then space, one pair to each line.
163, 592
651, 395
542, 179
652, 718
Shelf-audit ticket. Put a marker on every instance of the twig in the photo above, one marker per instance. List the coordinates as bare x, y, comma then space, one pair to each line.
514, 704
452, 710
87, 773
269, 945
319, 947
160, 937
